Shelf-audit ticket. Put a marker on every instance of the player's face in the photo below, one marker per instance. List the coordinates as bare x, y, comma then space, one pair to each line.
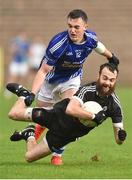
76, 28
106, 82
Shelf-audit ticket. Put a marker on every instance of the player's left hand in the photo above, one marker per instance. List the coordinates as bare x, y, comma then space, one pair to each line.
122, 135
114, 60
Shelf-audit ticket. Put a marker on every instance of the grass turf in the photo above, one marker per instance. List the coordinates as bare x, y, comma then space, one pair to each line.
114, 160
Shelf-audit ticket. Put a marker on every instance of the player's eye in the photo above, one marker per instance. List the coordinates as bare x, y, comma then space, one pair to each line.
112, 80
105, 78
77, 27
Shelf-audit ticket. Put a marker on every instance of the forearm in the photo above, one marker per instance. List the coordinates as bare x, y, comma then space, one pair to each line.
40, 77
79, 112
38, 81
107, 53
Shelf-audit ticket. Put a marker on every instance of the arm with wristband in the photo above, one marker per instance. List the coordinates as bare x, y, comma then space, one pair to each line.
101, 49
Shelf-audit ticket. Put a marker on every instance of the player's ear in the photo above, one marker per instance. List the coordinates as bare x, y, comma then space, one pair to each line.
97, 77
86, 26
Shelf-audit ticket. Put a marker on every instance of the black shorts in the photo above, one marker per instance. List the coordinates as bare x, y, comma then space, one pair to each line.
63, 128
55, 142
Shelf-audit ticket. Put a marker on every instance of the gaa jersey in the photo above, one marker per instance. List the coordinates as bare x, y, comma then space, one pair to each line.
65, 125
21, 50
67, 57
110, 104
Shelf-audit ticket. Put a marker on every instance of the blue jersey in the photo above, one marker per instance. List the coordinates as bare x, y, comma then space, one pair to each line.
21, 50
67, 57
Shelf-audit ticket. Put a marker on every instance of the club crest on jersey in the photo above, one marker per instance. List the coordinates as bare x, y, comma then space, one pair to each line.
105, 108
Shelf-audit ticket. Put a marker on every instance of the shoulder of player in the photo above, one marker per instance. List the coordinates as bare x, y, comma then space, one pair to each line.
115, 99
60, 36
58, 41
91, 34
91, 87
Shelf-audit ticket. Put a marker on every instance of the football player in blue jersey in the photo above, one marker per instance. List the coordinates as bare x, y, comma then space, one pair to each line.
19, 65
64, 120
61, 69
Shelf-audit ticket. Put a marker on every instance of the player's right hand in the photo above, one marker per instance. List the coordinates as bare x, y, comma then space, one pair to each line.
99, 117
29, 99
114, 60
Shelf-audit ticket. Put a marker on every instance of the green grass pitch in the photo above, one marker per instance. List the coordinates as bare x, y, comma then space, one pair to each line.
115, 161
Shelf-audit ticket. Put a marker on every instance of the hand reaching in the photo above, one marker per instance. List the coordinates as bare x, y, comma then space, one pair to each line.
122, 135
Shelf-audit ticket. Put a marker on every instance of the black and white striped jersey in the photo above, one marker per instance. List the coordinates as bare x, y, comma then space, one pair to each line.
110, 104
64, 125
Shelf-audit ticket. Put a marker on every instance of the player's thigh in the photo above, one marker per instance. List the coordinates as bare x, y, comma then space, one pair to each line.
39, 151
43, 104
68, 93
69, 88
45, 96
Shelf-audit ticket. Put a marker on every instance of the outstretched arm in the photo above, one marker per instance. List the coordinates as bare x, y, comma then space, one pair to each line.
38, 81
40, 76
101, 49
120, 135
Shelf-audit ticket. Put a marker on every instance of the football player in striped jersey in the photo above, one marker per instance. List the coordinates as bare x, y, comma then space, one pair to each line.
63, 121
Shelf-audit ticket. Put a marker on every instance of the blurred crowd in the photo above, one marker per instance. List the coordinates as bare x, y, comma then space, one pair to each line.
25, 58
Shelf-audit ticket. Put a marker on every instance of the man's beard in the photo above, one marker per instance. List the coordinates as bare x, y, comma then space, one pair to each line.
100, 90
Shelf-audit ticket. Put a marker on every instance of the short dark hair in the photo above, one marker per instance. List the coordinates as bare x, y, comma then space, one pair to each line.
78, 13
110, 66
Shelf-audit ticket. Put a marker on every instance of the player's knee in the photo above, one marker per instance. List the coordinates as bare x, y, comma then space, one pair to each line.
28, 157
13, 115
38, 115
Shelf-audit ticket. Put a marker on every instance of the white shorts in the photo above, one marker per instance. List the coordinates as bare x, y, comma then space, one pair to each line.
18, 69
51, 92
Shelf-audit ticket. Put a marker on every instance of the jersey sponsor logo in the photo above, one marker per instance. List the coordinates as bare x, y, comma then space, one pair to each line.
71, 65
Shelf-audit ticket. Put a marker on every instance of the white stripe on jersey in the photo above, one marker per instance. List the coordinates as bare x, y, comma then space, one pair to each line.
50, 75
116, 99
91, 88
76, 74
91, 36
56, 46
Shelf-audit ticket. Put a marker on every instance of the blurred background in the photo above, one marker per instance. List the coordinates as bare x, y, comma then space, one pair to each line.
38, 21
